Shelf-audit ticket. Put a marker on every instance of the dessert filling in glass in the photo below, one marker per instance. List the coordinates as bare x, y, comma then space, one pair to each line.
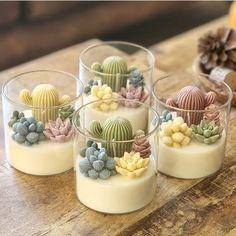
115, 160
38, 127
192, 132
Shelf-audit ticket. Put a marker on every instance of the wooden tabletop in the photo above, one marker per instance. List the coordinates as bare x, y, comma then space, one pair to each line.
31, 205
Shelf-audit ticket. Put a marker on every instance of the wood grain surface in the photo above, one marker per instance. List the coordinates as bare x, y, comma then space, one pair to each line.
32, 205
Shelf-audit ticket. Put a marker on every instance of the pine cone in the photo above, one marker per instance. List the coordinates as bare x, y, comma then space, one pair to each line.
141, 144
218, 48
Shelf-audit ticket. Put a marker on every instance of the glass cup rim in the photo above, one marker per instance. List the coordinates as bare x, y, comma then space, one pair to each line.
115, 42
42, 70
230, 96
100, 140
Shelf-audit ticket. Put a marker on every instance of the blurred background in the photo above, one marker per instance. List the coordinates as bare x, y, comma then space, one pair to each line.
32, 29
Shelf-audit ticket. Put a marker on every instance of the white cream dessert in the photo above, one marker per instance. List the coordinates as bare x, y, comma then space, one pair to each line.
118, 194
45, 158
193, 161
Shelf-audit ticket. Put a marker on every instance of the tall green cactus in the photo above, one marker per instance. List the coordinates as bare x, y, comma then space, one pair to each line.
44, 100
116, 72
117, 129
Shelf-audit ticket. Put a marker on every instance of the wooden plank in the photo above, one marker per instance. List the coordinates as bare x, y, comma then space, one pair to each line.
206, 209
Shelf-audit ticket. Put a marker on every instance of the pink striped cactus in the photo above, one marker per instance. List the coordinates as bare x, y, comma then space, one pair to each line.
192, 99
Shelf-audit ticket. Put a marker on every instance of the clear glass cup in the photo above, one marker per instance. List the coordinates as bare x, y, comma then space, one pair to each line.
124, 67
193, 125
115, 155
37, 111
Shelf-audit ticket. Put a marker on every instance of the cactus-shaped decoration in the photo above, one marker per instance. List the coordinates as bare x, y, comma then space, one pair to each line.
89, 144
28, 131
97, 164
175, 133
131, 165
104, 92
165, 116
114, 129
66, 112
44, 100
212, 114
135, 94
207, 132
91, 83
59, 131
136, 79
191, 98
115, 70
141, 144
16, 116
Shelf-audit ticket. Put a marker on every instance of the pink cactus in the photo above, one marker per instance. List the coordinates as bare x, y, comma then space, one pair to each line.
141, 144
59, 131
212, 114
191, 98
132, 93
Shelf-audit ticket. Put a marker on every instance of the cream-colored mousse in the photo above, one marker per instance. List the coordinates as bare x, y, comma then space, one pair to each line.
45, 158
118, 194
196, 160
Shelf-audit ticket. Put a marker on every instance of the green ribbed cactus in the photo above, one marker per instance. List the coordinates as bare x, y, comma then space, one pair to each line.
117, 72
117, 129
43, 99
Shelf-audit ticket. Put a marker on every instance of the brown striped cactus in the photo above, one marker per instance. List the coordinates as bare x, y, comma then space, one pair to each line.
44, 101
193, 99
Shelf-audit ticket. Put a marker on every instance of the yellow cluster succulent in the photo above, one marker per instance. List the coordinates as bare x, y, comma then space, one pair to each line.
104, 92
131, 164
175, 133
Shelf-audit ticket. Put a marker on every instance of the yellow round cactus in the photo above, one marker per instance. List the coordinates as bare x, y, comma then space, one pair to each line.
131, 164
44, 100
175, 133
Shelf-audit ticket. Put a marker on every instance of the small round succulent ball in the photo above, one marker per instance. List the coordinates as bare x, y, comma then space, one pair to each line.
96, 67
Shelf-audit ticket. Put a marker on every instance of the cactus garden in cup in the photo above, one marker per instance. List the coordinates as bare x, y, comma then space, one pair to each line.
116, 89
113, 78
192, 136
44, 129
115, 159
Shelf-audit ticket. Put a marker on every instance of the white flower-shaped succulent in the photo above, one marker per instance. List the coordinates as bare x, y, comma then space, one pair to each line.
131, 164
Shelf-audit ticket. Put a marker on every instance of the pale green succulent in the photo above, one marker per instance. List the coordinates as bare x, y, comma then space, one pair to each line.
207, 132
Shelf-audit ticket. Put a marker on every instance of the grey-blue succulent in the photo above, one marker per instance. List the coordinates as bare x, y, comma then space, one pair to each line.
90, 143
28, 131
96, 163
136, 78
16, 117
165, 116
91, 83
